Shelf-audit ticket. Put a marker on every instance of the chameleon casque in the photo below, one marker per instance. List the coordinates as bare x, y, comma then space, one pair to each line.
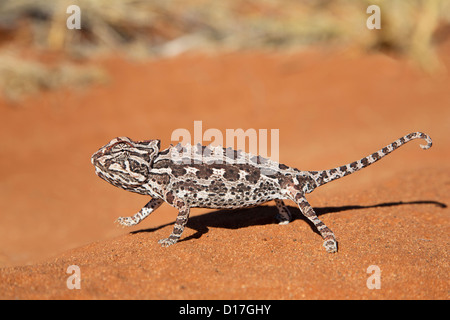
214, 177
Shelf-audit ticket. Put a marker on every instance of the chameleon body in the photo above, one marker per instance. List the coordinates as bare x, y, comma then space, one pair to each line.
214, 177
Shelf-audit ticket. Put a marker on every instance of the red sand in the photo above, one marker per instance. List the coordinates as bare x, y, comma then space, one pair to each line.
331, 108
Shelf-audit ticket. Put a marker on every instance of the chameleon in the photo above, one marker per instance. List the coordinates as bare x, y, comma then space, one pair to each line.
215, 177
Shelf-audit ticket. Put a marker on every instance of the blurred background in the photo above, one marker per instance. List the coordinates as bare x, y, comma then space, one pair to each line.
335, 89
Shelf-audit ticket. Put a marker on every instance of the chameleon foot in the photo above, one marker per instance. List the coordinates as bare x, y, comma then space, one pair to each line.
167, 242
330, 245
126, 221
282, 219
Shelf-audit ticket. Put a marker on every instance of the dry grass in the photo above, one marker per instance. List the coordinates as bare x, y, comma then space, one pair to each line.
21, 77
235, 24
167, 27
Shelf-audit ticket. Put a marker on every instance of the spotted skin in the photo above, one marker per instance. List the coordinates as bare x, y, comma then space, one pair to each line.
188, 177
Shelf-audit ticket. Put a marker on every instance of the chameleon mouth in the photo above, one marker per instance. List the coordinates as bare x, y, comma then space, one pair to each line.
98, 165
95, 156
104, 176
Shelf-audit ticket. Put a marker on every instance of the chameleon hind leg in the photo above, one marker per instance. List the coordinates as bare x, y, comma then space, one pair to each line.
151, 206
329, 243
283, 216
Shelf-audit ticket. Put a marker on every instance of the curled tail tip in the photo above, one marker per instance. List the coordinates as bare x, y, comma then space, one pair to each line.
427, 139
426, 146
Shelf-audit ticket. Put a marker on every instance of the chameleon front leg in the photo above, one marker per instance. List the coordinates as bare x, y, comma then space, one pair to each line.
180, 223
151, 206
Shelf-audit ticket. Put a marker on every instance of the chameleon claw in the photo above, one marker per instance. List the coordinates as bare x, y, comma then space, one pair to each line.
166, 242
125, 221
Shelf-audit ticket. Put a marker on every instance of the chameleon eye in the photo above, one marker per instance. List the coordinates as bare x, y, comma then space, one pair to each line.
120, 146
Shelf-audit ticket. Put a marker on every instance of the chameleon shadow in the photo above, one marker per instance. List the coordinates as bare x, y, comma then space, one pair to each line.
263, 215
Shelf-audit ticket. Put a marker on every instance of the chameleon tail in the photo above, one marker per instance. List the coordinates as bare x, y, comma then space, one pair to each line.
324, 176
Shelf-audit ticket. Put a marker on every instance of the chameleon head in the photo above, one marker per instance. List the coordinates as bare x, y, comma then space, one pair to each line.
124, 162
